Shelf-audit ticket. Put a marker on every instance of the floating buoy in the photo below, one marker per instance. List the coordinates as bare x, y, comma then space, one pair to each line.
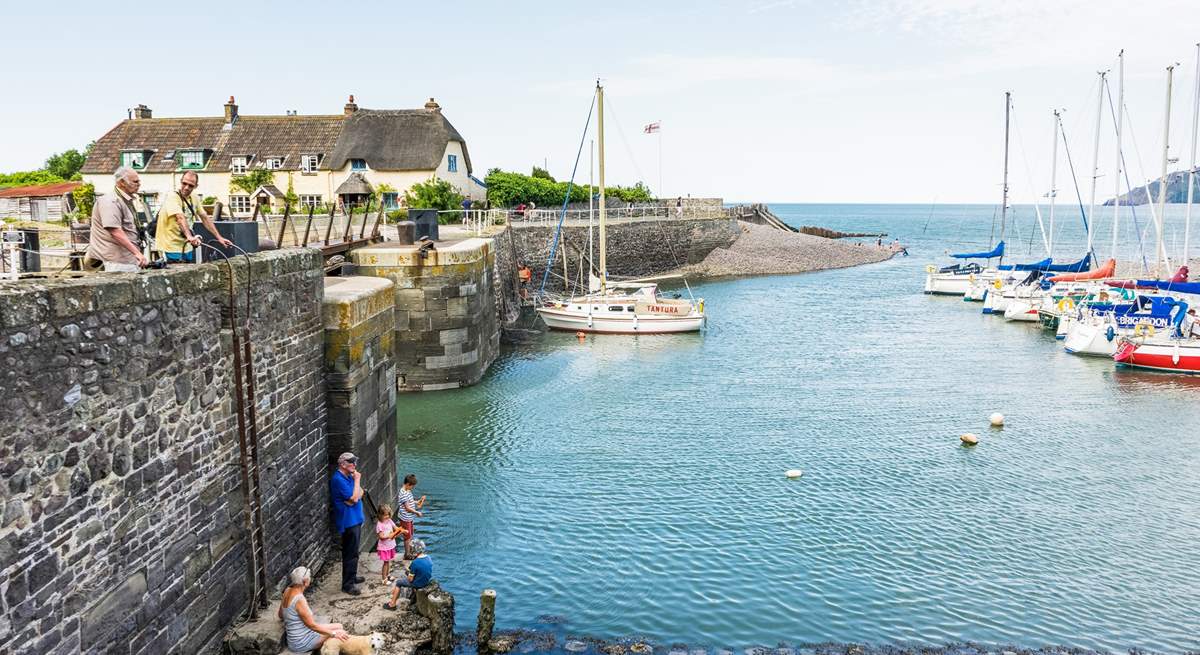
794, 473
969, 439
997, 420
581, 335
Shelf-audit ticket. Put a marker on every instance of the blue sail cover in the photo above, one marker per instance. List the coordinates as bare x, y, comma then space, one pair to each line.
1080, 266
994, 252
1178, 287
1035, 266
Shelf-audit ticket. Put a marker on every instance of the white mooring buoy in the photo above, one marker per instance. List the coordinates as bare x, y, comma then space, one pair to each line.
997, 420
969, 439
794, 473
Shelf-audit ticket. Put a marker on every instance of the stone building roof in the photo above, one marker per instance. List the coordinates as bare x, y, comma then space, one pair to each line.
389, 140
396, 139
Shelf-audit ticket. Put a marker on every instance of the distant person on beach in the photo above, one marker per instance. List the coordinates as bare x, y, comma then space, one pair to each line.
418, 575
408, 510
302, 632
386, 530
879, 242
346, 492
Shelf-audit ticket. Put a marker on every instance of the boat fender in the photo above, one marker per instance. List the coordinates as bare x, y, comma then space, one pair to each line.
1143, 328
997, 420
998, 284
1066, 305
971, 278
931, 269
969, 439
1110, 334
701, 305
792, 474
1175, 355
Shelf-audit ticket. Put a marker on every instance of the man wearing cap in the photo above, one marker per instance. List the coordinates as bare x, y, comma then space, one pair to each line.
345, 488
418, 576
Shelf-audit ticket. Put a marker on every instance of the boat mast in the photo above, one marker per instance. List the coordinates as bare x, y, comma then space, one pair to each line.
1004, 202
603, 212
1120, 122
1187, 222
591, 209
1091, 227
1053, 179
1161, 257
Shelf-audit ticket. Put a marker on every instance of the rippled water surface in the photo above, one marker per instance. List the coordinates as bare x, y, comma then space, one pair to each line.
634, 485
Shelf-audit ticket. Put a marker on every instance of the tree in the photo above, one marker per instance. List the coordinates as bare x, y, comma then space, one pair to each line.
251, 180
85, 199
65, 164
538, 171
290, 197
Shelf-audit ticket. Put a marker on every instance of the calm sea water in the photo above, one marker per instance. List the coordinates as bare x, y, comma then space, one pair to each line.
634, 485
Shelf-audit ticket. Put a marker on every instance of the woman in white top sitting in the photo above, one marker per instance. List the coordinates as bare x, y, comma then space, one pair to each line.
304, 634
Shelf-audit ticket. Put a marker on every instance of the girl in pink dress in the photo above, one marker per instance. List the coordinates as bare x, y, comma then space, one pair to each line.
387, 530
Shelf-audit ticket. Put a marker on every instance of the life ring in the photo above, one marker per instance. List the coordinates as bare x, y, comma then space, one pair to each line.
971, 278
931, 269
1066, 305
1143, 328
998, 284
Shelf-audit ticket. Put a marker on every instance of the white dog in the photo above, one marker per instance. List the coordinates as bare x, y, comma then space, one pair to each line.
355, 645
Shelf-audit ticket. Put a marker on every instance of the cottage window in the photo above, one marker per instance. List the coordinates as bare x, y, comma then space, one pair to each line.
170, 156
307, 200
273, 163
239, 204
134, 160
238, 165
452, 163
309, 163
391, 200
358, 164
191, 159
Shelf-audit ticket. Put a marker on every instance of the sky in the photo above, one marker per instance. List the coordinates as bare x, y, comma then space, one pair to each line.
759, 100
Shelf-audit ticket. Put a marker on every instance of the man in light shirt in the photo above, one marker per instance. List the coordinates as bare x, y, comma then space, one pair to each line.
179, 212
115, 239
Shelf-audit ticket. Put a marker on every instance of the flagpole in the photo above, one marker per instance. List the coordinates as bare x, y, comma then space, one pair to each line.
660, 184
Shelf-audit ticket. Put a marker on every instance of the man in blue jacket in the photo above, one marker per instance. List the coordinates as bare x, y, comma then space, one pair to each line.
345, 489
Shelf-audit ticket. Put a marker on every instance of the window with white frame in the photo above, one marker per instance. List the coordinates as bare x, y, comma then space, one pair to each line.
239, 204
309, 163
190, 158
134, 160
310, 200
358, 164
273, 163
238, 164
452, 163
391, 200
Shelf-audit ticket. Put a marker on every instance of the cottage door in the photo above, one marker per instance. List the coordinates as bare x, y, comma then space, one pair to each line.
38, 208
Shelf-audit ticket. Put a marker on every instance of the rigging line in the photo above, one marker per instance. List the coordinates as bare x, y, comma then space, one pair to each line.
1075, 182
1149, 199
562, 215
1037, 207
621, 132
931, 206
1129, 189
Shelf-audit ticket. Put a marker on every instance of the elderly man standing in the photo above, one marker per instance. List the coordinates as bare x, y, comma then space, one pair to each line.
114, 240
346, 492
179, 212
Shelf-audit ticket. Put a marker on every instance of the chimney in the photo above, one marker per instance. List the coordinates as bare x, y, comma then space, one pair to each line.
350, 107
230, 111
141, 111
432, 106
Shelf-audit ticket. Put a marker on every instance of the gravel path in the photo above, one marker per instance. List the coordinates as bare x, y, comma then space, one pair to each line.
763, 250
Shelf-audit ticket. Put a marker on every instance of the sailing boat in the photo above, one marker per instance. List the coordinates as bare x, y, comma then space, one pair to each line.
620, 308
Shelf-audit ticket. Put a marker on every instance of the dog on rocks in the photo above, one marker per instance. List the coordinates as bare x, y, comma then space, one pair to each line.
355, 645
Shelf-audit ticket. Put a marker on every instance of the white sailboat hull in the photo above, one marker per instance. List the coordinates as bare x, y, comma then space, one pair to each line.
1091, 338
946, 284
574, 321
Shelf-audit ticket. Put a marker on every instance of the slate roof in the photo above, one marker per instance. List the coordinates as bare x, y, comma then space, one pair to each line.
396, 140
389, 140
40, 191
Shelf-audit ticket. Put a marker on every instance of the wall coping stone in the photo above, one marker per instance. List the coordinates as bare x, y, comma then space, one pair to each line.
467, 251
350, 300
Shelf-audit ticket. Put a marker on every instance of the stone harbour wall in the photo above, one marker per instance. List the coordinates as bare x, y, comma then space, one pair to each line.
123, 522
635, 249
446, 320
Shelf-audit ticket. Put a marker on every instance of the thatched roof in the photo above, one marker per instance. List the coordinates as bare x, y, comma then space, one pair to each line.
396, 140
356, 184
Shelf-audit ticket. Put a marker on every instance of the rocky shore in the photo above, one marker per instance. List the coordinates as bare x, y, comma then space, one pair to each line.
762, 250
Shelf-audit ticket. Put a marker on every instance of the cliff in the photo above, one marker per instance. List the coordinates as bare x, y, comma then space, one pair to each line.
1176, 191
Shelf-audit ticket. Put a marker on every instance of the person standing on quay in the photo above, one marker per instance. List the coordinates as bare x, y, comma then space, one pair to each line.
179, 212
345, 489
115, 241
408, 510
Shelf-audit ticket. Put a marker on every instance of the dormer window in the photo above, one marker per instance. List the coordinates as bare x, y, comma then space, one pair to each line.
169, 156
358, 164
309, 163
273, 163
239, 164
190, 159
135, 159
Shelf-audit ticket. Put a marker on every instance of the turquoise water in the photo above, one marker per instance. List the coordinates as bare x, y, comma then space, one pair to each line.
634, 485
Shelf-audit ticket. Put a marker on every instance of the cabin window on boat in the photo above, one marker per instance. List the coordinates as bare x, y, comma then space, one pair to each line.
616, 308
629, 308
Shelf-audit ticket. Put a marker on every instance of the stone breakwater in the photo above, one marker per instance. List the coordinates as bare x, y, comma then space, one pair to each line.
761, 250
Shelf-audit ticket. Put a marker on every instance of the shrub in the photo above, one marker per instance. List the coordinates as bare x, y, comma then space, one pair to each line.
508, 189
438, 194
85, 199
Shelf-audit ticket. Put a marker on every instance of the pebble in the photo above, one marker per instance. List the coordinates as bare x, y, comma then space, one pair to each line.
762, 250
575, 646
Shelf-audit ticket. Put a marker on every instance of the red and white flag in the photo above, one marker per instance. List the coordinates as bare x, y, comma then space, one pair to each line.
653, 127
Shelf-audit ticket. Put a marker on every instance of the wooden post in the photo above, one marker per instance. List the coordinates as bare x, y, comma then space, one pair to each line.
287, 210
329, 228
363, 231
375, 229
487, 619
308, 226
